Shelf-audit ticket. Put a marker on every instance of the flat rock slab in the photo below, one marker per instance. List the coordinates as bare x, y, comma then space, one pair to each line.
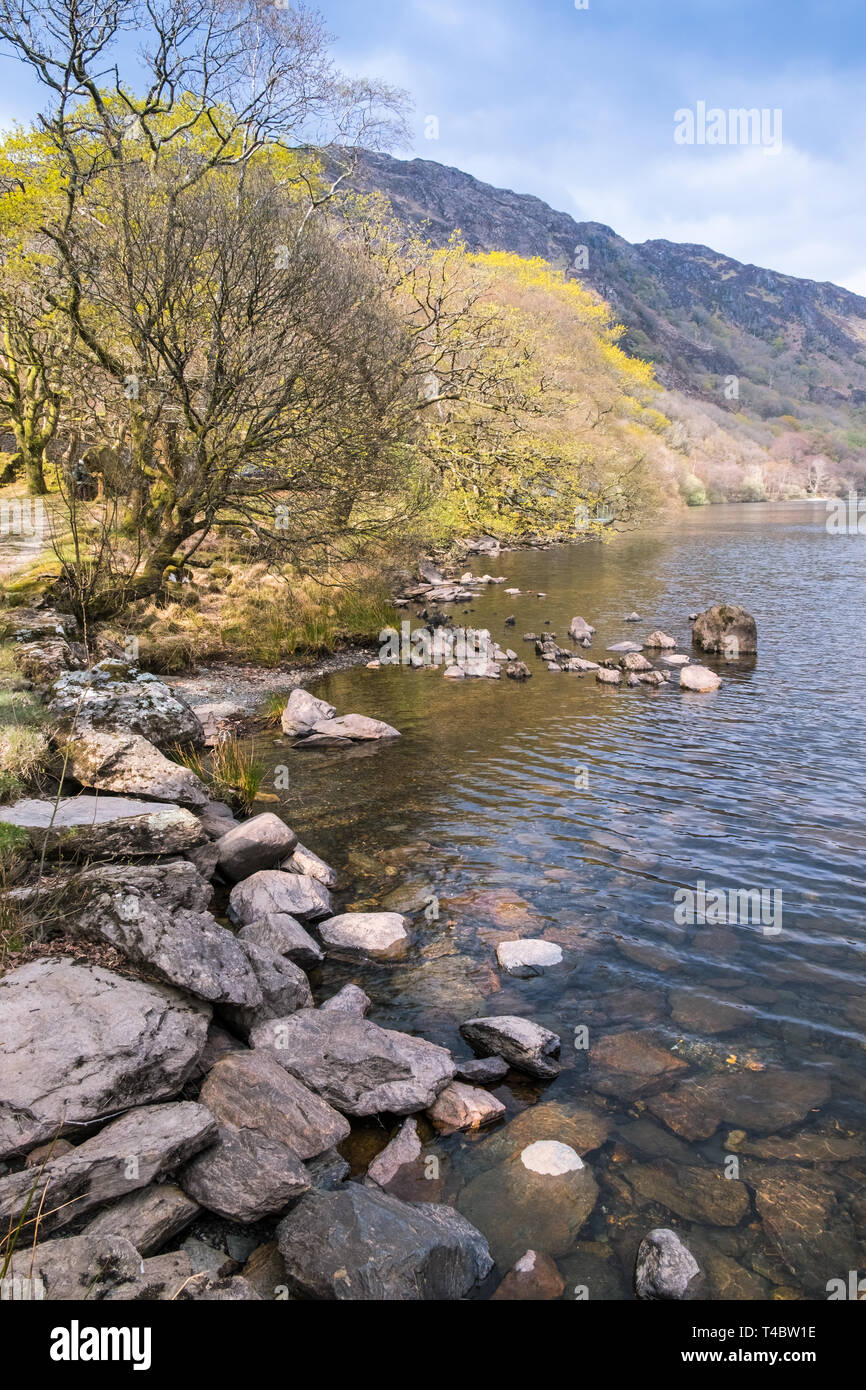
245, 1176
804, 1219
148, 1218
251, 1090
271, 890
348, 728
256, 844
62, 1064
285, 936
482, 1071
762, 1101
625, 647
528, 956
632, 1063
114, 697
131, 766
358, 1067
379, 935
526, 1045
75, 1268
361, 1244
461, 1106
701, 1194
128, 1154
105, 827
400, 1169
158, 916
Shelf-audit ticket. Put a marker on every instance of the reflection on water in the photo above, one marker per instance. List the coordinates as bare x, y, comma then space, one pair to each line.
723, 1091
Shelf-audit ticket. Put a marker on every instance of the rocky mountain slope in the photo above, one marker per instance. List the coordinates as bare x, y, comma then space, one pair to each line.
797, 348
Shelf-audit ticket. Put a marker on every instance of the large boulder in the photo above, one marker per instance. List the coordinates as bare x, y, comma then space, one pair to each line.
105, 827
727, 629
362, 1244
157, 915
113, 697
379, 935
358, 1067
245, 1176
130, 766
256, 844
78, 1042
128, 1154
302, 712
284, 988
252, 1091
526, 1045
271, 890
349, 728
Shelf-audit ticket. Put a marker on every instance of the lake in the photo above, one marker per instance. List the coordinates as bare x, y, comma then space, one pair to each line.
712, 1070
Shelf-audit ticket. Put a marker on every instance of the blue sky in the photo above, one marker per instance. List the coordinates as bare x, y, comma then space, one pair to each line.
577, 106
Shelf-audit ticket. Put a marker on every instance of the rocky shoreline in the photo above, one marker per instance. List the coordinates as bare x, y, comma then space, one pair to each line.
172, 1096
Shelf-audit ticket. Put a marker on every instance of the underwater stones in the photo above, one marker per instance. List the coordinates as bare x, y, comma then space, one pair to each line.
548, 1200
533, 1279
691, 1191
630, 1063
763, 1101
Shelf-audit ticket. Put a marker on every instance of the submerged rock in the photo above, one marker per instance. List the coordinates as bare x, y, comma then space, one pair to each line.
693, 1192
533, 1279
62, 1065
362, 1244
665, 1268
528, 956
630, 1063
763, 1101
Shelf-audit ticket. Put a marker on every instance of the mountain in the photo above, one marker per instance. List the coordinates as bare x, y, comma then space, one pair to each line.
797, 348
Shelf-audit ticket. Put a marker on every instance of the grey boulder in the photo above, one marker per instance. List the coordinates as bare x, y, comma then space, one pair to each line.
148, 1218
271, 890
252, 1091
526, 1045
256, 844
105, 827
78, 1042
665, 1268
245, 1176
286, 937
358, 1067
114, 697
361, 1244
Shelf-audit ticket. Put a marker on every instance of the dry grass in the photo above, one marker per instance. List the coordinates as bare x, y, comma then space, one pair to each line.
23, 743
231, 770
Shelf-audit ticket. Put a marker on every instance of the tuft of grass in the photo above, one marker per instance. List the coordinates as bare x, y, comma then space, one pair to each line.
274, 705
231, 770
23, 744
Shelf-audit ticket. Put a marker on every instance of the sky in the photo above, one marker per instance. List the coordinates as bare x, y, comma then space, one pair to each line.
575, 101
